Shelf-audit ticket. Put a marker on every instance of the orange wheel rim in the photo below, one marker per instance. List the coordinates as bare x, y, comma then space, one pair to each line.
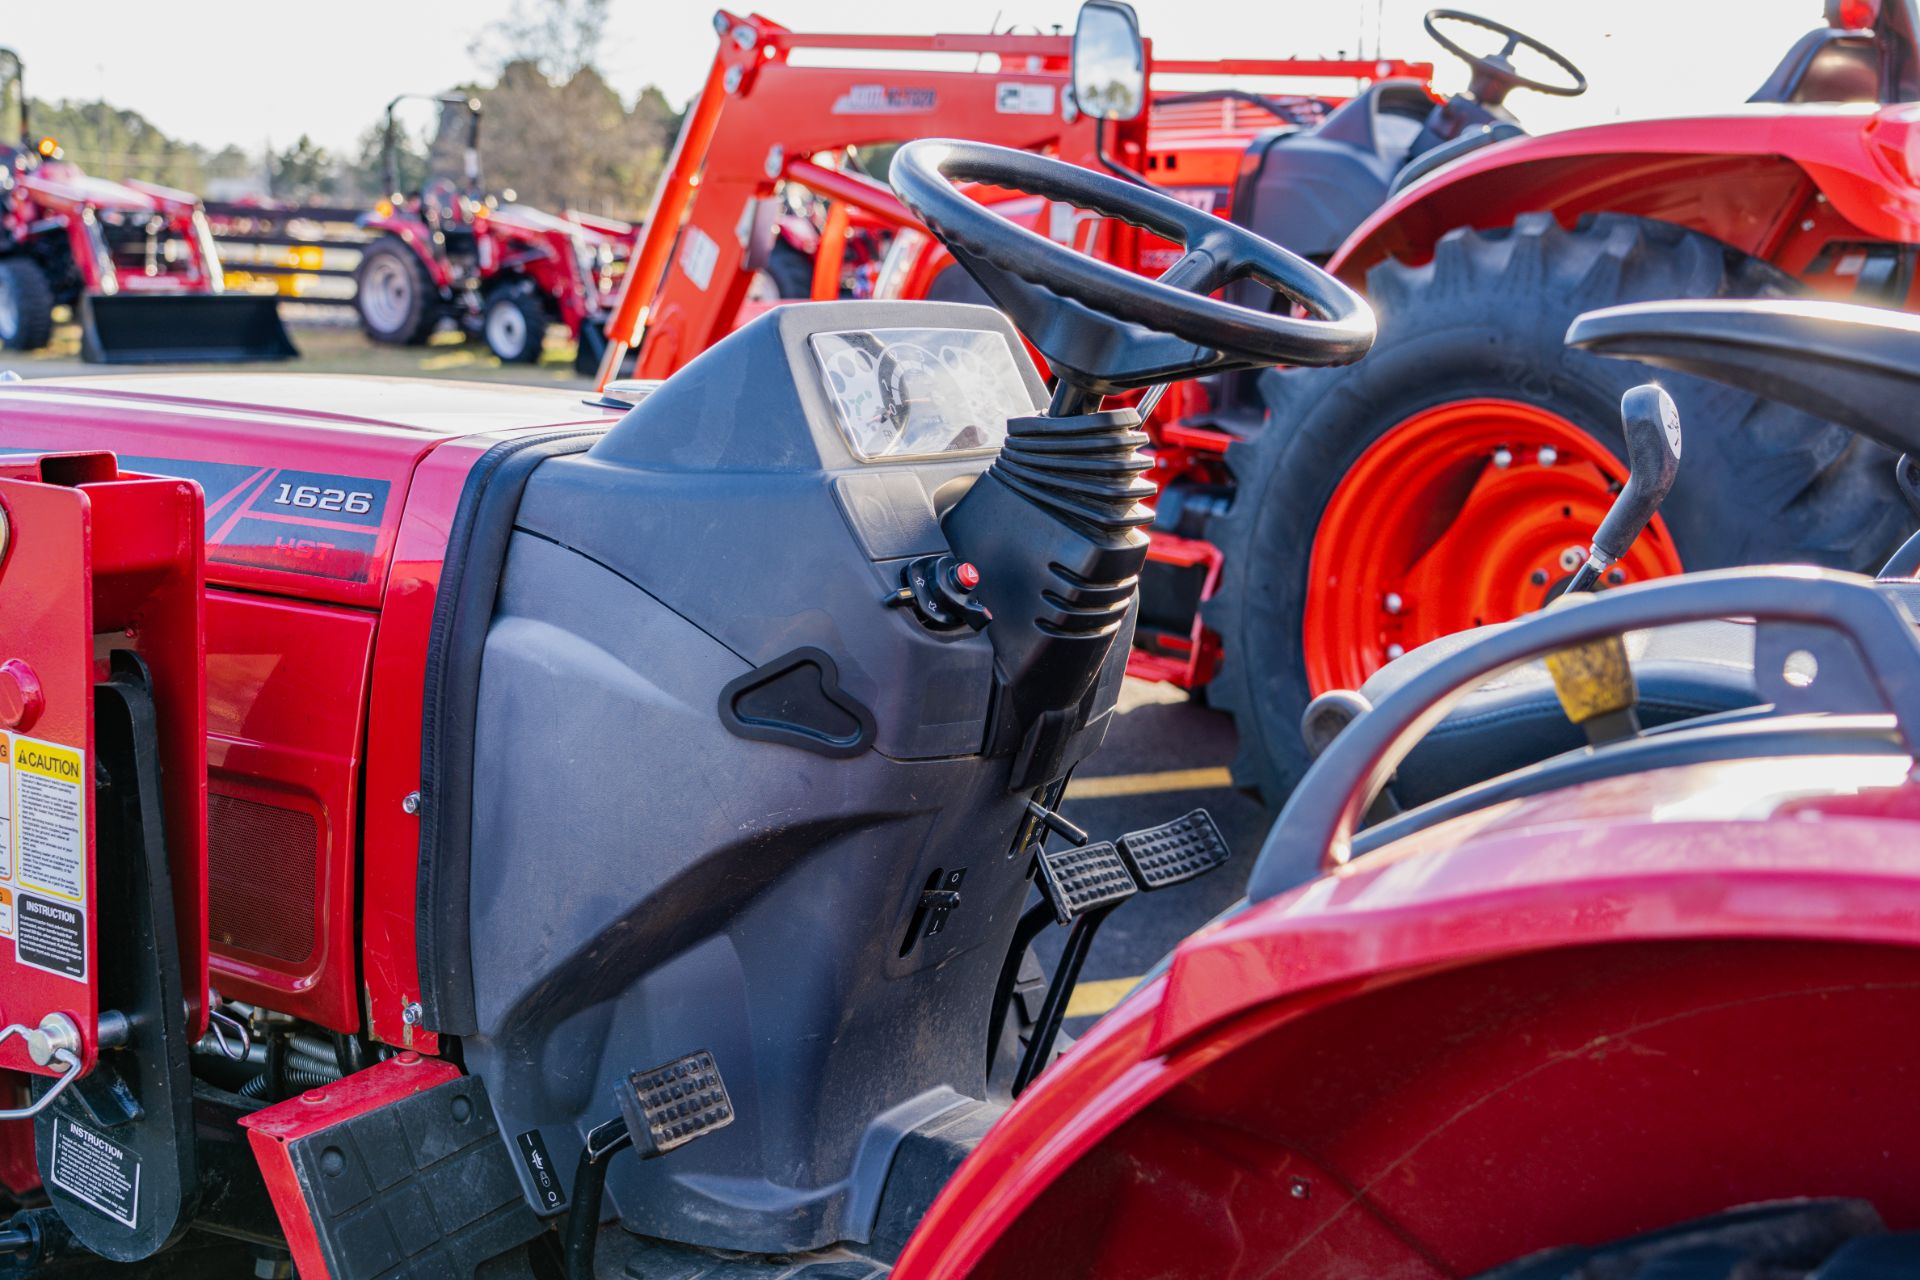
1467, 513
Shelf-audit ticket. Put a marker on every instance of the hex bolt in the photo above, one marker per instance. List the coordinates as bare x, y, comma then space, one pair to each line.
1503, 457
720, 24
1547, 456
1393, 603
411, 805
412, 1013
733, 78
1299, 1188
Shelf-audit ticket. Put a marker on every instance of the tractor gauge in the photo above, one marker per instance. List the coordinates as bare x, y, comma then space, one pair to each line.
921, 393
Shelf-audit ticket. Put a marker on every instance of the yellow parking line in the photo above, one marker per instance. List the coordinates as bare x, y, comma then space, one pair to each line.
1090, 999
450, 360
1147, 784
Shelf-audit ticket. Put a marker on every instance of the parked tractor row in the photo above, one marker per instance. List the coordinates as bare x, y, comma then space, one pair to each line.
462, 831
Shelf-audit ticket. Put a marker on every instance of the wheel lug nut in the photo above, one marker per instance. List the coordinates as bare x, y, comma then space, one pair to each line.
1616, 577
1572, 558
1394, 651
1538, 577
1503, 458
1393, 603
1548, 455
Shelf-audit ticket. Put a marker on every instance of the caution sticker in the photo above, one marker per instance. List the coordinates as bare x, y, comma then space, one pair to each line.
6, 911
48, 817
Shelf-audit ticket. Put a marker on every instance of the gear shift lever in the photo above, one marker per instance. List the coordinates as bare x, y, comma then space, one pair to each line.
1651, 422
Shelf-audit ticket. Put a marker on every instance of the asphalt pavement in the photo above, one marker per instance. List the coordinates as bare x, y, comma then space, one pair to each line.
1165, 755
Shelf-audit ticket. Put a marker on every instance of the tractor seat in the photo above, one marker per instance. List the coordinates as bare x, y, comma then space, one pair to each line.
1826, 66
1515, 720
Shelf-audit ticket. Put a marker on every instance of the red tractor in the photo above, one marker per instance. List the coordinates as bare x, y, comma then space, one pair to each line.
135, 261
461, 831
502, 272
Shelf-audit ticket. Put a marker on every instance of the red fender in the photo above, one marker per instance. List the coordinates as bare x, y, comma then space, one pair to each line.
1564, 1019
1776, 182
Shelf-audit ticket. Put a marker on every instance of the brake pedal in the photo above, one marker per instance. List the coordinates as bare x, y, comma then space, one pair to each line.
1174, 852
671, 1105
1081, 879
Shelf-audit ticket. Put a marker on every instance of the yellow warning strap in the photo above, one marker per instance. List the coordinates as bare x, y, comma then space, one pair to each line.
1147, 784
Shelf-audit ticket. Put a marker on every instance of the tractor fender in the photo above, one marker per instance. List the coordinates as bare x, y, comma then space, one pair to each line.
1409, 1059
1740, 177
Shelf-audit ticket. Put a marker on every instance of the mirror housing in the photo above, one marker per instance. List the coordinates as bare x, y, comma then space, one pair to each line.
1109, 62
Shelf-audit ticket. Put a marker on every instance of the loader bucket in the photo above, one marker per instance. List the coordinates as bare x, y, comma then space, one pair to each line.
170, 328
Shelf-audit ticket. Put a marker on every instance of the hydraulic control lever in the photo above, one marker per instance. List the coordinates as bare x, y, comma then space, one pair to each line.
1651, 422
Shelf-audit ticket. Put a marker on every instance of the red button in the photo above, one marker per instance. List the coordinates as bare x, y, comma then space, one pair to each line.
21, 701
966, 575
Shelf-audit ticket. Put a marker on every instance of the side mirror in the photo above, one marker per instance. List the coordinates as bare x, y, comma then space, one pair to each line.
1109, 62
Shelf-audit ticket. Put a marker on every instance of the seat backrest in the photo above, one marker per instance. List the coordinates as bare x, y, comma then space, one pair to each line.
1826, 66
1852, 365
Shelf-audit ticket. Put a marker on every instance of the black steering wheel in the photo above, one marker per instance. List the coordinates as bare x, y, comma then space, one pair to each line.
1105, 329
1493, 75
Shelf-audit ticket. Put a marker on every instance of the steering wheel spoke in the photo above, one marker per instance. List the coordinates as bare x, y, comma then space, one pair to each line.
1105, 329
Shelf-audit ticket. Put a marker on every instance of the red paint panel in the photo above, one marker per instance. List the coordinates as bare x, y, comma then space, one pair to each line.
392, 858
286, 699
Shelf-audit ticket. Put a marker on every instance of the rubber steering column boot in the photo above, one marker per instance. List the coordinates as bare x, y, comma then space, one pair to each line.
1055, 526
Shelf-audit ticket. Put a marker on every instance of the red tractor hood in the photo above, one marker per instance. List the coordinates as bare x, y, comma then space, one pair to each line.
62, 186
306, 476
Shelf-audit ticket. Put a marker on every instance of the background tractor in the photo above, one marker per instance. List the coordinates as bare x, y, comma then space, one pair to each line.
1365, 515
134, 260
449, 250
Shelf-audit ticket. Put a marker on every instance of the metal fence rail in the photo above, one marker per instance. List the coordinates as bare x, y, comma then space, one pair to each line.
308, 252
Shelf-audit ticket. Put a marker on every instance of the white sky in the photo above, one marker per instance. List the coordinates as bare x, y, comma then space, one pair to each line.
219, 73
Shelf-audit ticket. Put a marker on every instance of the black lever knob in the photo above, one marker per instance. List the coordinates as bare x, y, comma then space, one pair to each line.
939, 589
1651, 422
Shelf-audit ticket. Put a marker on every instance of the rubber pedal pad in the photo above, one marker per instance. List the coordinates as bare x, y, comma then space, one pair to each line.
1079, 878
675, 1103
1174, 852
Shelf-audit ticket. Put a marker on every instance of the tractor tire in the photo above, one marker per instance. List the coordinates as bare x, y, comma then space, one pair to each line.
26, 305
1760, 483
1782, 1240
397, 300
514, 325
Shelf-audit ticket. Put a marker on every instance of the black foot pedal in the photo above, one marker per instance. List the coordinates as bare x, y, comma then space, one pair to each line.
669, 1106
1079, 880
1174, 852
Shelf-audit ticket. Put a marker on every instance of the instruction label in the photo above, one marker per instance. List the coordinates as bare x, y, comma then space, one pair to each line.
95, 1171
6, 911
51, 935
48, 817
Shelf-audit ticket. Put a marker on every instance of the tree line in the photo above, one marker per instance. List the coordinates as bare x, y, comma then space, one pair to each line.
553, 132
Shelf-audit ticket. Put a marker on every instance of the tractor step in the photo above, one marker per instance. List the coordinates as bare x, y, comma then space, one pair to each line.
1081, 879
396, 1170
1174, 852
